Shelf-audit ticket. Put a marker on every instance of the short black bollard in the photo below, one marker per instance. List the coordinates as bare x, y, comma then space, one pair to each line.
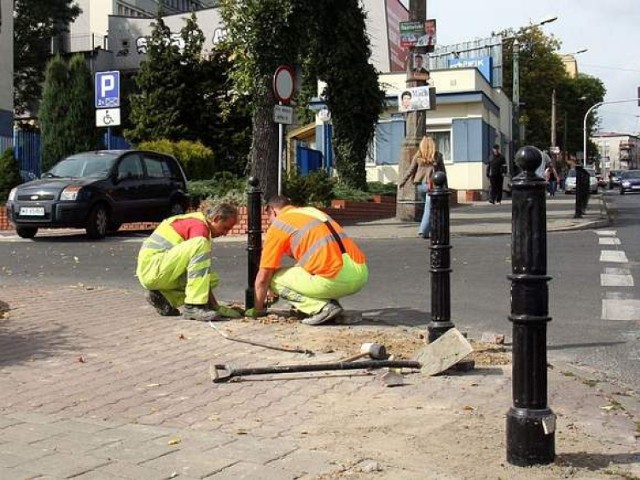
530, 422
440, 259
582, 191
254, 237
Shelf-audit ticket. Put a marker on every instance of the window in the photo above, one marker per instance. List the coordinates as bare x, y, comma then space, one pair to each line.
387, 143
157, 167
130, 168
443, 143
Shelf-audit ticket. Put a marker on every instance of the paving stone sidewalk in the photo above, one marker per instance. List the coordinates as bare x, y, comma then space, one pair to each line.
94, 385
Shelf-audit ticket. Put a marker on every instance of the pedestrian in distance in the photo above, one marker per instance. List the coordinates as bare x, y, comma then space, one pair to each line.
424, 164
551, 176
496, 170
174, 263
329, 264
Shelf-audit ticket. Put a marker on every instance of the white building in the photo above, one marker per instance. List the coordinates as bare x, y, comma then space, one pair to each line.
617, 151
6, 74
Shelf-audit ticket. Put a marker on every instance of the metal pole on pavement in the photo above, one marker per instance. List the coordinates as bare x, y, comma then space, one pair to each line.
254, 237
530, 422
440, 259
280, 161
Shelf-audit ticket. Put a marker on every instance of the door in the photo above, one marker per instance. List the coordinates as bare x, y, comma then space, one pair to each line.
129, 193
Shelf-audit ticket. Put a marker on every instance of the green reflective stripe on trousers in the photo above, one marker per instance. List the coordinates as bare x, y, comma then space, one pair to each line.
198, 273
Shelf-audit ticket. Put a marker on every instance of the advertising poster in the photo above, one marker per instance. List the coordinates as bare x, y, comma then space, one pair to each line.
416, 98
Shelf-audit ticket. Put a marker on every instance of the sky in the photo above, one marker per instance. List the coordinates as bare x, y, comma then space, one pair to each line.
609, 29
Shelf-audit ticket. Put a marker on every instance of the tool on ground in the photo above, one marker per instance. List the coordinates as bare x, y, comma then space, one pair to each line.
376, 351
224, 373
263, 345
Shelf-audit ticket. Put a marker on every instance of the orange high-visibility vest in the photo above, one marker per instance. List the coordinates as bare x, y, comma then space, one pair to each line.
302, 233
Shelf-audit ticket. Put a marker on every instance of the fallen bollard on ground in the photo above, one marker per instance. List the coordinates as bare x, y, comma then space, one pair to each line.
449, 349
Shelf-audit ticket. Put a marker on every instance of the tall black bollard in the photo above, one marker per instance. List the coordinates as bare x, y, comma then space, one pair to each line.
530, 422
254, 237
440, 259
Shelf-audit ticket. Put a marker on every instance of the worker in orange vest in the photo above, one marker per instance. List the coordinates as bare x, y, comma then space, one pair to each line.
329, 265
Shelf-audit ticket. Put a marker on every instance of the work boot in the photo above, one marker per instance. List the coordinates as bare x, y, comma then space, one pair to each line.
161, 304
329, 311
199, 313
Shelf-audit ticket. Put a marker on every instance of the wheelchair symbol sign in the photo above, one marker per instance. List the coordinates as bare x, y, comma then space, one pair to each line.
107, 89
108, 117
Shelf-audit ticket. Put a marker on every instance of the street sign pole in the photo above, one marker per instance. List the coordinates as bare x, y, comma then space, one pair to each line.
280, 161
283, 88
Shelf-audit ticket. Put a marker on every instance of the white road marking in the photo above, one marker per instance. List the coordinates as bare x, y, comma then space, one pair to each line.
608, 241
618, 309
617, 271
606, 233
609, 280
614, 256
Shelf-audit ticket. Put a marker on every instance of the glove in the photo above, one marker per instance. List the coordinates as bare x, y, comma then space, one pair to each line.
227, 312
253, 313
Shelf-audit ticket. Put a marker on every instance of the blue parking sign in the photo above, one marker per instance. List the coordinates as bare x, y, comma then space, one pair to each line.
107, 89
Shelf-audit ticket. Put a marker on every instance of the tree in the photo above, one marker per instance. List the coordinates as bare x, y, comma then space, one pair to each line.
80, 119
56, 139
156, 108
10, 173
269, 33
35, 23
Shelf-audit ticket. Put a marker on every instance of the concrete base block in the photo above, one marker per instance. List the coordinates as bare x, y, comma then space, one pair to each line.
446, 351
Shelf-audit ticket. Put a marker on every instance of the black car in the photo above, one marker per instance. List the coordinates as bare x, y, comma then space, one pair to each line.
99, 191
630, 181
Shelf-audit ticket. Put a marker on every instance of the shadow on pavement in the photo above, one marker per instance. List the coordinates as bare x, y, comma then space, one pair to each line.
81, 237
597, 461
19, 345
583, 345
395, 316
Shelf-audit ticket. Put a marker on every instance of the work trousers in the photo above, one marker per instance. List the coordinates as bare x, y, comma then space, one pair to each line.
309, 293
495, 192
183, 273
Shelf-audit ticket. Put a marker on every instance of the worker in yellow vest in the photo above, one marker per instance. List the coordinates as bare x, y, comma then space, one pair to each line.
329, 264
174, 263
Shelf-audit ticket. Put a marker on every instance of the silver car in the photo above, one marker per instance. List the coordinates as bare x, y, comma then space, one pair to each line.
570, 181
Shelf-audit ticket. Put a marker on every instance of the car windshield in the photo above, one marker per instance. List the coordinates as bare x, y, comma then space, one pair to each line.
572, 173
76, 166
631, 174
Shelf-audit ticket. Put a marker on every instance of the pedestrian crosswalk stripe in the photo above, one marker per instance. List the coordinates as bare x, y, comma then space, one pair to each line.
617, 271
609, 241
609, 280
606, 233
614, 256
618, 309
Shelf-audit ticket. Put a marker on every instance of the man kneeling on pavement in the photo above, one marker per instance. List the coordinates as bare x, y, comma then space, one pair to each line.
329, 265
174, 263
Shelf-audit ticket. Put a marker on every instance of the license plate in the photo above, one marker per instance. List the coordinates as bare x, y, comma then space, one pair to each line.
32, 211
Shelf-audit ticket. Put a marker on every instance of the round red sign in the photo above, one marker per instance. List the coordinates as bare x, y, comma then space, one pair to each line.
283, 83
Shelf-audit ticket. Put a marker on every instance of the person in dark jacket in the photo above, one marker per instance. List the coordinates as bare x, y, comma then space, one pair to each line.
495, 173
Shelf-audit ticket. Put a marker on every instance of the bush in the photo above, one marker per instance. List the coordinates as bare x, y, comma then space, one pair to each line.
344, 192
224, 186
315, 189
379, 188
197, 160
9, 174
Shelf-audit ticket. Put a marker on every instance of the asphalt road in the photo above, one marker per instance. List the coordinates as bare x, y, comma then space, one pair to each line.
399, 289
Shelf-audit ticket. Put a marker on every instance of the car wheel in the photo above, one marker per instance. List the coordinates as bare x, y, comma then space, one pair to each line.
26, 232
114, 226
176, 209
98, 222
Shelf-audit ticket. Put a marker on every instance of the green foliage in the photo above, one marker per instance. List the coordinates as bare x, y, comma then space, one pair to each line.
9, 173
379, 188
80, 119
222, 185
196, 159
35, 24
57, 141
316, 188
344, 192
156, 108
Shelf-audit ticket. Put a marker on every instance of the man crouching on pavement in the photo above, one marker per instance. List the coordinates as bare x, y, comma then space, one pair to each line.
329, 264
174, 263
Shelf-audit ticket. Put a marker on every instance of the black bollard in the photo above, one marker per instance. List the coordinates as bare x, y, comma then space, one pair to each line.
254, 237
582, 191
530, 422
440, 259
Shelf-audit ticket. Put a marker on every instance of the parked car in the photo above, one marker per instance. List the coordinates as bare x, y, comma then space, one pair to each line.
570, 181
99, 191
614, 178
630, 181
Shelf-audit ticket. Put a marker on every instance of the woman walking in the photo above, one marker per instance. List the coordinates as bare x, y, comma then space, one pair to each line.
425, 163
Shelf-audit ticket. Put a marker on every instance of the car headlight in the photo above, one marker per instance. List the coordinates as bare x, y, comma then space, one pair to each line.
626, 184
12, 194
70, 193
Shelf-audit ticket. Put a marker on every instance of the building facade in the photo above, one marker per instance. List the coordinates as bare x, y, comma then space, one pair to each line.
6, 74
617, 151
